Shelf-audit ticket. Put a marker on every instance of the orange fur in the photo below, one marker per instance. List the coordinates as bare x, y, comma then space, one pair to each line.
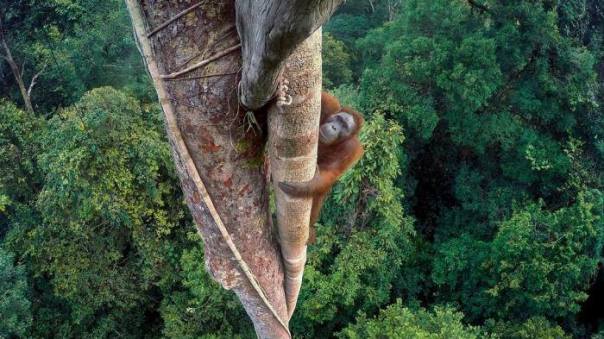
332, 161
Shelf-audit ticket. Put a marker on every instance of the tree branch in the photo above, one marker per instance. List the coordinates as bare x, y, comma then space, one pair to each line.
15, 69
269, 32
293, 132
33, 80
481, 7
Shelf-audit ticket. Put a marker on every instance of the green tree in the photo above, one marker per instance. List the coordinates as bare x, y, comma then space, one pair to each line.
336, 62
397, 321
500, 109
533, 328
538, 264
15, 307
202, 308
111, 219
502, 81
20, 178
75, 45
353, 20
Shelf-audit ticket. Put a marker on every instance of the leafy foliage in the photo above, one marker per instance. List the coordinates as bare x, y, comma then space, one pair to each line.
477, 210
203, 308
536, 327
336, 62
538, 263
15, 307
19, 175
104, 211
77, 44
397, 321
110, 235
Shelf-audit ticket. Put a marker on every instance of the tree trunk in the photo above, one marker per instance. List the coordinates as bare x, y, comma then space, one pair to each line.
293, 152
192, 54
225, 155
270, 31
8, 56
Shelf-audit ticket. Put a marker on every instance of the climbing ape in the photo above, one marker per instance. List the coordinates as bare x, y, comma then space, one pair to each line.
339, 149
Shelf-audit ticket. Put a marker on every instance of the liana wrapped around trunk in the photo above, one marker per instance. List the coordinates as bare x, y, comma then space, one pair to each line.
203, 59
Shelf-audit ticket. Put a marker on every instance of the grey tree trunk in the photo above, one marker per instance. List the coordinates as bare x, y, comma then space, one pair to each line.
191, 51
8, 56
270, 31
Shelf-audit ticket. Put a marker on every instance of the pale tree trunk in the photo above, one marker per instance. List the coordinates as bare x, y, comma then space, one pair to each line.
8, 56
191, 50
293, 157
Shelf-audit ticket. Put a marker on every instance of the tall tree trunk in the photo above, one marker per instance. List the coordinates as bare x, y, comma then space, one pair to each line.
192, 53
293, 151
215, 139
270, 31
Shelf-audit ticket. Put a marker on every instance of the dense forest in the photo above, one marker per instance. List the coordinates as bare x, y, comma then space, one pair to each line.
477, 210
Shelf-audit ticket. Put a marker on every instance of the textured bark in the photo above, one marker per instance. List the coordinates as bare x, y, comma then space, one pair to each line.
270, 31
293, 150
190, 48
226, 156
